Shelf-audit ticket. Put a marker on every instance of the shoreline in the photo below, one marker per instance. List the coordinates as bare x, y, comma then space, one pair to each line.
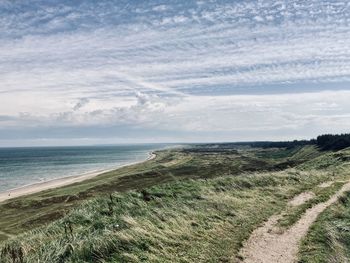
63, 181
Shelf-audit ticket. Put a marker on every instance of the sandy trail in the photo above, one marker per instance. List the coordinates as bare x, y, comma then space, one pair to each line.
268, 246
59, 182
326, 184
301, 199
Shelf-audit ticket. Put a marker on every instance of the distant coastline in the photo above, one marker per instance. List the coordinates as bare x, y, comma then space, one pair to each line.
63, 181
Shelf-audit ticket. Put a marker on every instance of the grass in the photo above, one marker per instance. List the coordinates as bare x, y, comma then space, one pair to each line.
333, 163
25, 213
294, 213
328, 238
184, 221
188, 205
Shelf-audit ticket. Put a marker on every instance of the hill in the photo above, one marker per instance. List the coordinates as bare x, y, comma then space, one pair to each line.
196, 204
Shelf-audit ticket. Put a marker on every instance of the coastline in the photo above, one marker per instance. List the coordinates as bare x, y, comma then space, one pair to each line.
63, 181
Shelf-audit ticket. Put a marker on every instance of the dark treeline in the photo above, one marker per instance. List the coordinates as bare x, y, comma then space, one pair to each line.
327, 142
333, 142
259, 144
282, 144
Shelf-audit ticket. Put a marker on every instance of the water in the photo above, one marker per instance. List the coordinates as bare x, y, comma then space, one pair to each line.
23, 166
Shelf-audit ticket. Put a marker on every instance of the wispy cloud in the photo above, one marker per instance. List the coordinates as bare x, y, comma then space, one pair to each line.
175, 66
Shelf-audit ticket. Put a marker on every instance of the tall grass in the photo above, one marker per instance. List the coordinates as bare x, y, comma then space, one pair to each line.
328, 240
184, 221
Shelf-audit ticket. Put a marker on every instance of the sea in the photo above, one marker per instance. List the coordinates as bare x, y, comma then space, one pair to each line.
29, 165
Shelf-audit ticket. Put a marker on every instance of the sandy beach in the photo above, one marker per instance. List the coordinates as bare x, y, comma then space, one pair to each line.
59, 182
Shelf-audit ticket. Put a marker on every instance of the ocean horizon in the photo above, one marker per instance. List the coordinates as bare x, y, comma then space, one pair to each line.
21, 166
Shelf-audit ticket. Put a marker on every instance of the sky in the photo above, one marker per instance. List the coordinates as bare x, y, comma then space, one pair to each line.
128, 71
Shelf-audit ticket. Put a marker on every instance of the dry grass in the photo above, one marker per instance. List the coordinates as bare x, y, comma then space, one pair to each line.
186, 221
204, 217
328, 238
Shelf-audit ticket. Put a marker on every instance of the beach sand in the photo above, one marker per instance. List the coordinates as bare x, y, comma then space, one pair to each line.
59, 182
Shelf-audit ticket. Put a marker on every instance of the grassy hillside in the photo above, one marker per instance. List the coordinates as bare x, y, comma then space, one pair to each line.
203, 204
25, 213
203, 220
328, 239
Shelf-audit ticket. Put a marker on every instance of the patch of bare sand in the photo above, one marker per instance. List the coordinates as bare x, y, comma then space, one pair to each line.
326, 184
301, 198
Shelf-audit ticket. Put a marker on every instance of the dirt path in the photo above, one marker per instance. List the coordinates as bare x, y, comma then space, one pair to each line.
326, 184
301, 199
268, 246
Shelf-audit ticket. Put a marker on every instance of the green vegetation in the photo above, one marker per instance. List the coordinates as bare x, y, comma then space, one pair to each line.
190, 220
194, 204
326, 142
294, 213
328, 239
333, 142
336, 165
25, 213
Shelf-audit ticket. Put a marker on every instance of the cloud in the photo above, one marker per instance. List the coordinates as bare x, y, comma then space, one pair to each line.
160, 8
181, 65
81, 103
